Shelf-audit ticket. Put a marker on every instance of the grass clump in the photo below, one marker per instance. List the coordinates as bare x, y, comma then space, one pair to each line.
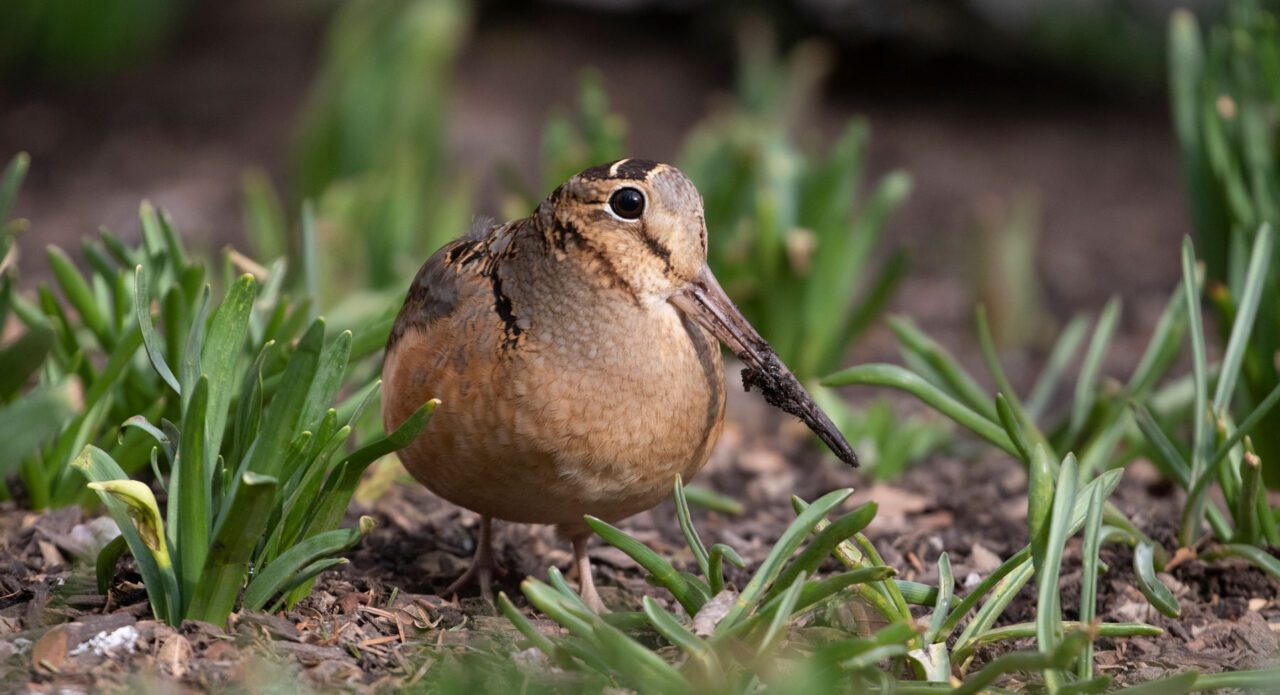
1112, 424
252, 465
1224, 98
239, 411
786, 630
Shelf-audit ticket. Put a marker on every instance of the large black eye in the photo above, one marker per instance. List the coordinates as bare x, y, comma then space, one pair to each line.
627, 203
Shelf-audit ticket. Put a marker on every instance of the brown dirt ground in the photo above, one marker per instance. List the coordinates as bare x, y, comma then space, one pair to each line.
371, 624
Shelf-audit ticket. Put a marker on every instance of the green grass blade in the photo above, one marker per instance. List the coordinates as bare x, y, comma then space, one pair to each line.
306, 575
20, 359
234, 540
961, 384
327, 381
1156, 593
781, 617
1167, 457
1259, 557
773, 564
525, 626
280, 420
560, 584
33, 420
917, 594
1257, 680
1246, 426
715, 565
1163, 348
190, 478
690, 533
546, 599
1086, 393
142, 310
222, 350
1242, 327
1189, 528
1026, 630
1009, 420
81, 296
11, 183
1040, 496
1048, 611
981, 590
1184, 682
946, 589
903, 380
1248, 527
811, 594
684, 591
699, 496
336, 494
992, 359
190, 369
108, 558
823, 545
670, 628
1089, 577
1059, 359
1001, 595
274, 578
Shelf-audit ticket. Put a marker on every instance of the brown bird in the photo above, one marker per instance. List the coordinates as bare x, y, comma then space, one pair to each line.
575, 355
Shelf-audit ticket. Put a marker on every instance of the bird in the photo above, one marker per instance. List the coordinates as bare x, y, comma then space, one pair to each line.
575, 354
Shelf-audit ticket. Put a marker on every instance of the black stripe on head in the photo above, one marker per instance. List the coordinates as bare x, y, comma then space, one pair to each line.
657, 248
621, 169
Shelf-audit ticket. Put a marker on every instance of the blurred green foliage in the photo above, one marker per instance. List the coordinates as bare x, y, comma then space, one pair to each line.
77, 40
794, 235
1225, 91
372, 146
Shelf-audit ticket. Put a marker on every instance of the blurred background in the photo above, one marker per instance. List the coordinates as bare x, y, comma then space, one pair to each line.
943, 153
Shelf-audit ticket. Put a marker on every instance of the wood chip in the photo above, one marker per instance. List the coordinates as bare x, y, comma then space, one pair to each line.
175, 655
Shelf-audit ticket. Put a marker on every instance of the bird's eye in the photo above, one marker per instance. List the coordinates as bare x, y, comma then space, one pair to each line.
627, 203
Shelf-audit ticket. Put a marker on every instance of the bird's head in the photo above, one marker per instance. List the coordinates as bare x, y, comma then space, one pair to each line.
640, 222
639, 225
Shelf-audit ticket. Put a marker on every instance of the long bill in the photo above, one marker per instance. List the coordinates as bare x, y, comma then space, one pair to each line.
704, 301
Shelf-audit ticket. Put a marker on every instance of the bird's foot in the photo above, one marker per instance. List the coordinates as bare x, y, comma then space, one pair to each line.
483, 566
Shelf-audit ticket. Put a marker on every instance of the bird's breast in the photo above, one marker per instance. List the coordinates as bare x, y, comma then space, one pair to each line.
595, 412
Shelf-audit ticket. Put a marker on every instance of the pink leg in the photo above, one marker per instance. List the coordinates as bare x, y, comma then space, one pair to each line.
587, 586
482, 564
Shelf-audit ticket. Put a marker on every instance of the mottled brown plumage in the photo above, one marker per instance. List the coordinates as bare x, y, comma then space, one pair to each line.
576, 359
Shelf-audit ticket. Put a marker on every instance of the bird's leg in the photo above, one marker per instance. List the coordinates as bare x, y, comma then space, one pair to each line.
482, 564
586, 585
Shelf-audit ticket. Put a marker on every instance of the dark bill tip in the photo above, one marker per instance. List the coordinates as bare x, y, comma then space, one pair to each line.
705, 302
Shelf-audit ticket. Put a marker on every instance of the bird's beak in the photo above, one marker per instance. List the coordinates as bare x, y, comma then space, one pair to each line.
704, 301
